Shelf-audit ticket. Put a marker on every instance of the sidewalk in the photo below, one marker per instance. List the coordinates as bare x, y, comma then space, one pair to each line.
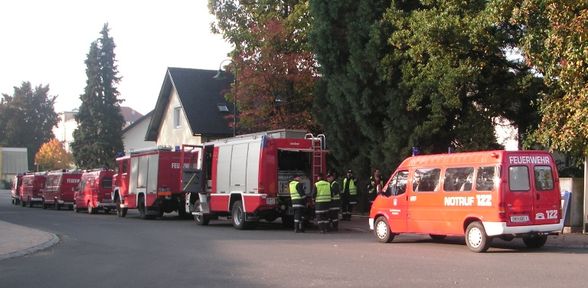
16, 240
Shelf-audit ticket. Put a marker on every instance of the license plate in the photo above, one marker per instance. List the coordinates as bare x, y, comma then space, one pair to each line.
270, 201
519, 218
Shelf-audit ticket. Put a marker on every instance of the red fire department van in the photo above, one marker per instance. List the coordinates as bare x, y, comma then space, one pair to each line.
95, 192
59, 188
479, 195
149, 180
32, 183
16, 190
246, 177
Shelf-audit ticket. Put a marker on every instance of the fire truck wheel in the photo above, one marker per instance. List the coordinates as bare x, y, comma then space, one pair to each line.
57, 206
43, 204
476, 237
120, 212
91, 210
30, 203
202, 219
23, 203
437, 237
382, 230
238, 216
142, 208
288, 221
535, 241
76, 208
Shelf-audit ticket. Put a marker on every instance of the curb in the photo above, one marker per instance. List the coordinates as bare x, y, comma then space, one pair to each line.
54, 240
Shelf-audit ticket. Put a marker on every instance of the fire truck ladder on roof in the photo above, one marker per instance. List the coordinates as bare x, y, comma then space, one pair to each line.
318, 147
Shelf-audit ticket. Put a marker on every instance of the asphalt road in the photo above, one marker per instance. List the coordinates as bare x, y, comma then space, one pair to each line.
106, 251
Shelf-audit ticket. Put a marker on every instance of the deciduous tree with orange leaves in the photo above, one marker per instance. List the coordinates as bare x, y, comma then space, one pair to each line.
52, 156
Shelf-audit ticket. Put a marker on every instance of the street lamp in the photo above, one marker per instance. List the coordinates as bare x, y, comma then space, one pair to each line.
220, 75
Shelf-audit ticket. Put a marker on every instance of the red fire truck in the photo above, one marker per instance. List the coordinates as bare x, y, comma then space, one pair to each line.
59, 188
95, 192
479, 195
16, 190
149, 180
32, 183
246, 177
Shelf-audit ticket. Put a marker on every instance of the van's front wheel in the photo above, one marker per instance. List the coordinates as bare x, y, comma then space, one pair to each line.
476, 237
535, 241
382, 230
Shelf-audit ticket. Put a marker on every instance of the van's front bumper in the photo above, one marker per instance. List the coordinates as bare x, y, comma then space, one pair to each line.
500, 228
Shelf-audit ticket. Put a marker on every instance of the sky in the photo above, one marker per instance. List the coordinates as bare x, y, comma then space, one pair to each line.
47, 41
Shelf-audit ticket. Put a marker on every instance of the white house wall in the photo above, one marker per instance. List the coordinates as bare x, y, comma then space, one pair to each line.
170, 135
134, 138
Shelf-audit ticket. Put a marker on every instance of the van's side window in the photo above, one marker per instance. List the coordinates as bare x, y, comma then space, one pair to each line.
543, 178
485, 178
518, 178
426, 179
458, 179
398, 184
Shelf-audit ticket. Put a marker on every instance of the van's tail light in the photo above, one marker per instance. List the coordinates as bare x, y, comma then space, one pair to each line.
502, 211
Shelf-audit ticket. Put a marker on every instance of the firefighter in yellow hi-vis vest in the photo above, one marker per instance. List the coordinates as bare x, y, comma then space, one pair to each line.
298, 197
322, 202
349, 195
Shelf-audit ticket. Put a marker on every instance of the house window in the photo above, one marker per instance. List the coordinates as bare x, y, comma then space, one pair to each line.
222, 107
177, 112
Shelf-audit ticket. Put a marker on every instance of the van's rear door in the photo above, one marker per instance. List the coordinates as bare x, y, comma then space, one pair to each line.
531, 194
547, 197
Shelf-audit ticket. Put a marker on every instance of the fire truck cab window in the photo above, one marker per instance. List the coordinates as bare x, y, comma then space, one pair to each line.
398, 184
124, 168
458, 179
426, 180
107, 182
518, 178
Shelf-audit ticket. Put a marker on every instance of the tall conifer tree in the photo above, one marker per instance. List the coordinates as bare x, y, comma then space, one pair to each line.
99, 134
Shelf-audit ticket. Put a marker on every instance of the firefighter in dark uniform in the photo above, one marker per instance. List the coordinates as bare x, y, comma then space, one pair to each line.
298, 198
375, 186
335, 201
349, 195
322, 203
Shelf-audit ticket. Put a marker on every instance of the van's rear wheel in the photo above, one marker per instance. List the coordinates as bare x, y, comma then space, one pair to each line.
535, 241
476, 237
382, 230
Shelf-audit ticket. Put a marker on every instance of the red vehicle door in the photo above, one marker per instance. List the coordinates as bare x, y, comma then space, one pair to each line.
531, 193
397, 201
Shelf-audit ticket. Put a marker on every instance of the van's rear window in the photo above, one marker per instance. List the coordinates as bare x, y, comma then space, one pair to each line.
518, 178
543, 178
